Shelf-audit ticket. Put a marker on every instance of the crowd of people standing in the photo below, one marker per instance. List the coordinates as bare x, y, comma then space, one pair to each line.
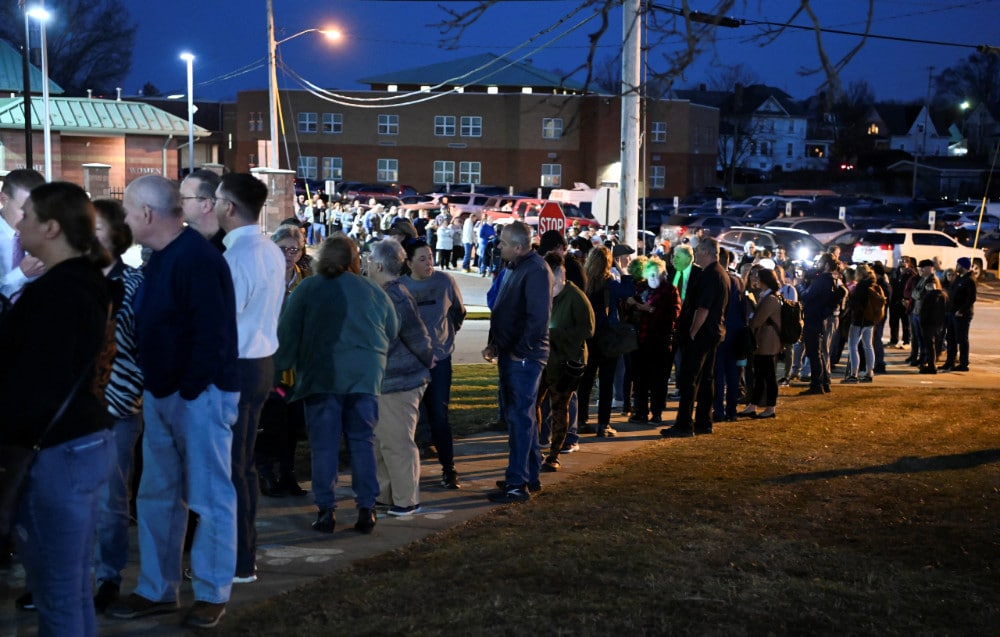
225, 332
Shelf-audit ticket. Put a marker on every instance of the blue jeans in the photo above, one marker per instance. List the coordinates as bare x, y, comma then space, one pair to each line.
519, 382
483, 266
958, 339
256, 379
328, 418
316, 230
467, 257
434, 413
54, 528
187, 464
862, 335
111, 547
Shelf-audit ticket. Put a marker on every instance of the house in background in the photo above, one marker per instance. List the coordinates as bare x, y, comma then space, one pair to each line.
762, 130
909, 128
476, 120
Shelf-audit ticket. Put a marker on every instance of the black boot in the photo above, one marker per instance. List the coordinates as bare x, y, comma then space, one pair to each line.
269, 485
325, 522
290, 484
366, 521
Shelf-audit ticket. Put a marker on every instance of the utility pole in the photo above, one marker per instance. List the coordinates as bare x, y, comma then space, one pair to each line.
631, 109
26, 70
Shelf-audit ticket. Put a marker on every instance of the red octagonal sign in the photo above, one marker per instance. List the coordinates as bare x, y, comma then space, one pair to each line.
551, 217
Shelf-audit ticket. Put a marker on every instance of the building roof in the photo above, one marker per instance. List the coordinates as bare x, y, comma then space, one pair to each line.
12, 74
482, 70
96, 117
745, 101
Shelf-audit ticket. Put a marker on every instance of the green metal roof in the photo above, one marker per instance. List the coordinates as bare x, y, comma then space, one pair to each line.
12, 75
96, 117
479, 70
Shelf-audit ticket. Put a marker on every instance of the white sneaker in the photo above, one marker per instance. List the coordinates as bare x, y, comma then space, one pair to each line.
249, 579
570, 448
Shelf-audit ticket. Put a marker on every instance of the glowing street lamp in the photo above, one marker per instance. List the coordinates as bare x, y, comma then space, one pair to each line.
272, 85
43, 16
189, 58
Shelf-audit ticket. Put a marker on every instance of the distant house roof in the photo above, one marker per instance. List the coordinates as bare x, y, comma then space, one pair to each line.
746, 101
475, 71
12, 74
901, 117
96, 117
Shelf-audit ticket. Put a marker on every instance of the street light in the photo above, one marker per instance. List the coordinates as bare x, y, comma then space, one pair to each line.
272, 85
42, 15
189, 58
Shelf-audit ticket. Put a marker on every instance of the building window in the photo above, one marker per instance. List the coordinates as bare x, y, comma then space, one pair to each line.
308, 123
791, 126
388, 124
388, 170
444, 125
816, 150
333, 168
551, 127
790, 150
470, 172
256, 121
657, 177
333, 122
764, 149
306, 168
444, 172
472, 126
551, 175
658, 132
873, 129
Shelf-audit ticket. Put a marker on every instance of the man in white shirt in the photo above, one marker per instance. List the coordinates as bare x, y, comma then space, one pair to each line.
258, 270
16, 268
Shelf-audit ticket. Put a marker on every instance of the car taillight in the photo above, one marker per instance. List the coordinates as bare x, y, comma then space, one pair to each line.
885, 246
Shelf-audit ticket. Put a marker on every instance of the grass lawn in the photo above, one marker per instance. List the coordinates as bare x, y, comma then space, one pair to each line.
873, 511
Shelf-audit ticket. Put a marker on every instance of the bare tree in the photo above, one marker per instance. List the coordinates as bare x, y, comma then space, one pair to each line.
684, 33
90, 42
727, 77
976, 79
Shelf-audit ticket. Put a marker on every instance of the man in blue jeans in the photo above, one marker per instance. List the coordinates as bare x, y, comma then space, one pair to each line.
185, 315
519, 342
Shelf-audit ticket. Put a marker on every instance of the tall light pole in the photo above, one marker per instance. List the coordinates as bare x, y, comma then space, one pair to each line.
42, 15
272, 78
29, 160
189, 58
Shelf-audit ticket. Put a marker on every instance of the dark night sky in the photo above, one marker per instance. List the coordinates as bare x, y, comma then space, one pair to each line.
384, 35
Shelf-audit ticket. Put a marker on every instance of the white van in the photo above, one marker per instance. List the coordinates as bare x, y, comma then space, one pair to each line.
889, 244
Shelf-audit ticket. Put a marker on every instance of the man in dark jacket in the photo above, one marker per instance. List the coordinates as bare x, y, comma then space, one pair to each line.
700, 329
519, 342
817, 308
963, 298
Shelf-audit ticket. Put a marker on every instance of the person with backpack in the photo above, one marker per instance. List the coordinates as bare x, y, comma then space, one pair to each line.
865, 309
765, 324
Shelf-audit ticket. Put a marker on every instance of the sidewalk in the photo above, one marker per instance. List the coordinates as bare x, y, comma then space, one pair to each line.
291, 554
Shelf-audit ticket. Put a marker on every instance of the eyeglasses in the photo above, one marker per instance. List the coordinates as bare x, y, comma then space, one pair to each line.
183, 199
290, 250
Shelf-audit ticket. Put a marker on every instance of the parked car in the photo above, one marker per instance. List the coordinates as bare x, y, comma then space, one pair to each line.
799, 245
459, 203
821, 229
846, 241
888, 245
690, 224
502, 207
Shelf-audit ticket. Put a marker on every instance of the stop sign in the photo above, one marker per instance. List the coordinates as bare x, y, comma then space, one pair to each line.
551, 217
